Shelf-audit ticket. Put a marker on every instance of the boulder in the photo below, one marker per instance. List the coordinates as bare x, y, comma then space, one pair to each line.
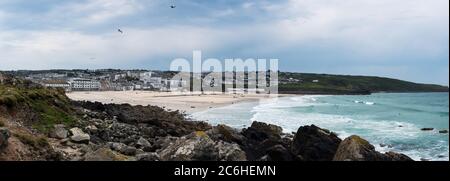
59, 131
129, 150
262, 131
117, 146
315, 144
392, 156
355, 148
199, 147
258, 138
78, 136
104, 154
147, 157
123, 148
443, 131
279, 153
4, 136
143, 143
226, 133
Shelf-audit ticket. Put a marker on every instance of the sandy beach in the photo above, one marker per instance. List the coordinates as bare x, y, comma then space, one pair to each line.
188, 103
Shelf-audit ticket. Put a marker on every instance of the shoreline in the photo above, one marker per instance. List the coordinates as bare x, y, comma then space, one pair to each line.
186, 103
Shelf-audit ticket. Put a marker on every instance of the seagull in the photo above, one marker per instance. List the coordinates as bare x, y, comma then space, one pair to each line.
173, 6
120, 31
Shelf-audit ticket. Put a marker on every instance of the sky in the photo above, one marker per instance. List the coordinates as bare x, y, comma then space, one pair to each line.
404, 39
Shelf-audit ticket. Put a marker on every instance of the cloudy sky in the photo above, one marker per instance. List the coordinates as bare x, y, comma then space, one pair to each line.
406, 39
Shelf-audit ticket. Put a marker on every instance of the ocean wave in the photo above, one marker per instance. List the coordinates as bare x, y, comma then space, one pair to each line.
385, 133
364, 102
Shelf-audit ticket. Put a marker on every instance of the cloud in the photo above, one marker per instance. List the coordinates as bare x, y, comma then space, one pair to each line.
66, 49
400, 36
98, 11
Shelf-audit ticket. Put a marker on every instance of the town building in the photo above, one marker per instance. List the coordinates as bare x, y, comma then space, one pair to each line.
79, 84
57, 84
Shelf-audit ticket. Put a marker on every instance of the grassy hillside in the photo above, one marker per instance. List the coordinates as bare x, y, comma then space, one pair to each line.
344, 84
35, 106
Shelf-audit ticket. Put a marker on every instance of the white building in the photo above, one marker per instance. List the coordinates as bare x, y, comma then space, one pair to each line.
79, 84
145, 76
57, 84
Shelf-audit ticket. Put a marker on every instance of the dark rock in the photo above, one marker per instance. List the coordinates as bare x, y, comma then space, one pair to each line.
354, 148
427, 129
315, 144
443, 131
279, 153
259, 138
129, 150
4, 136
147, 157
261, 131
173, 121
143, 143
226, 133
392, 156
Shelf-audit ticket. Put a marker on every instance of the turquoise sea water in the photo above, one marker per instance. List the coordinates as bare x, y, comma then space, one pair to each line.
390, 121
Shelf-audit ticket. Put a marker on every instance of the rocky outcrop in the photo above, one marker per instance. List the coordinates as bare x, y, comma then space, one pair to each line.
226, 133
443, 131
199, 147
427, 129
261, 141
4, 136
262, 131
163, 122
354, 148
312, 143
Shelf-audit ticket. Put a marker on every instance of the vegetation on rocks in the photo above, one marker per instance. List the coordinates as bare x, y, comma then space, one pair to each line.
48, 106
347, 84
32, 140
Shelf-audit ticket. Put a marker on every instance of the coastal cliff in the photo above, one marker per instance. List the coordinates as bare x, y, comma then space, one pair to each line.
38, 123
308, 83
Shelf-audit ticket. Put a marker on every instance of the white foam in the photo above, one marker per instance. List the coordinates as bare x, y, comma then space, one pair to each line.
364, 102
369, 103
279, 112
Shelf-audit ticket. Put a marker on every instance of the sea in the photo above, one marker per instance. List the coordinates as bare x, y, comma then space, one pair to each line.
389, 121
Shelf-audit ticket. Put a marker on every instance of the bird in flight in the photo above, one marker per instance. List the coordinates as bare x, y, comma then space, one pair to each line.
173, 6
120, 31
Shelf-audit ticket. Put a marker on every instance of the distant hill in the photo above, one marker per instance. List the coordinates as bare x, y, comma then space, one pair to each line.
345, 84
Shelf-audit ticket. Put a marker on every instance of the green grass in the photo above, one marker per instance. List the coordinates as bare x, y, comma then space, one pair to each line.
51, 105
49, 116
36, 142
